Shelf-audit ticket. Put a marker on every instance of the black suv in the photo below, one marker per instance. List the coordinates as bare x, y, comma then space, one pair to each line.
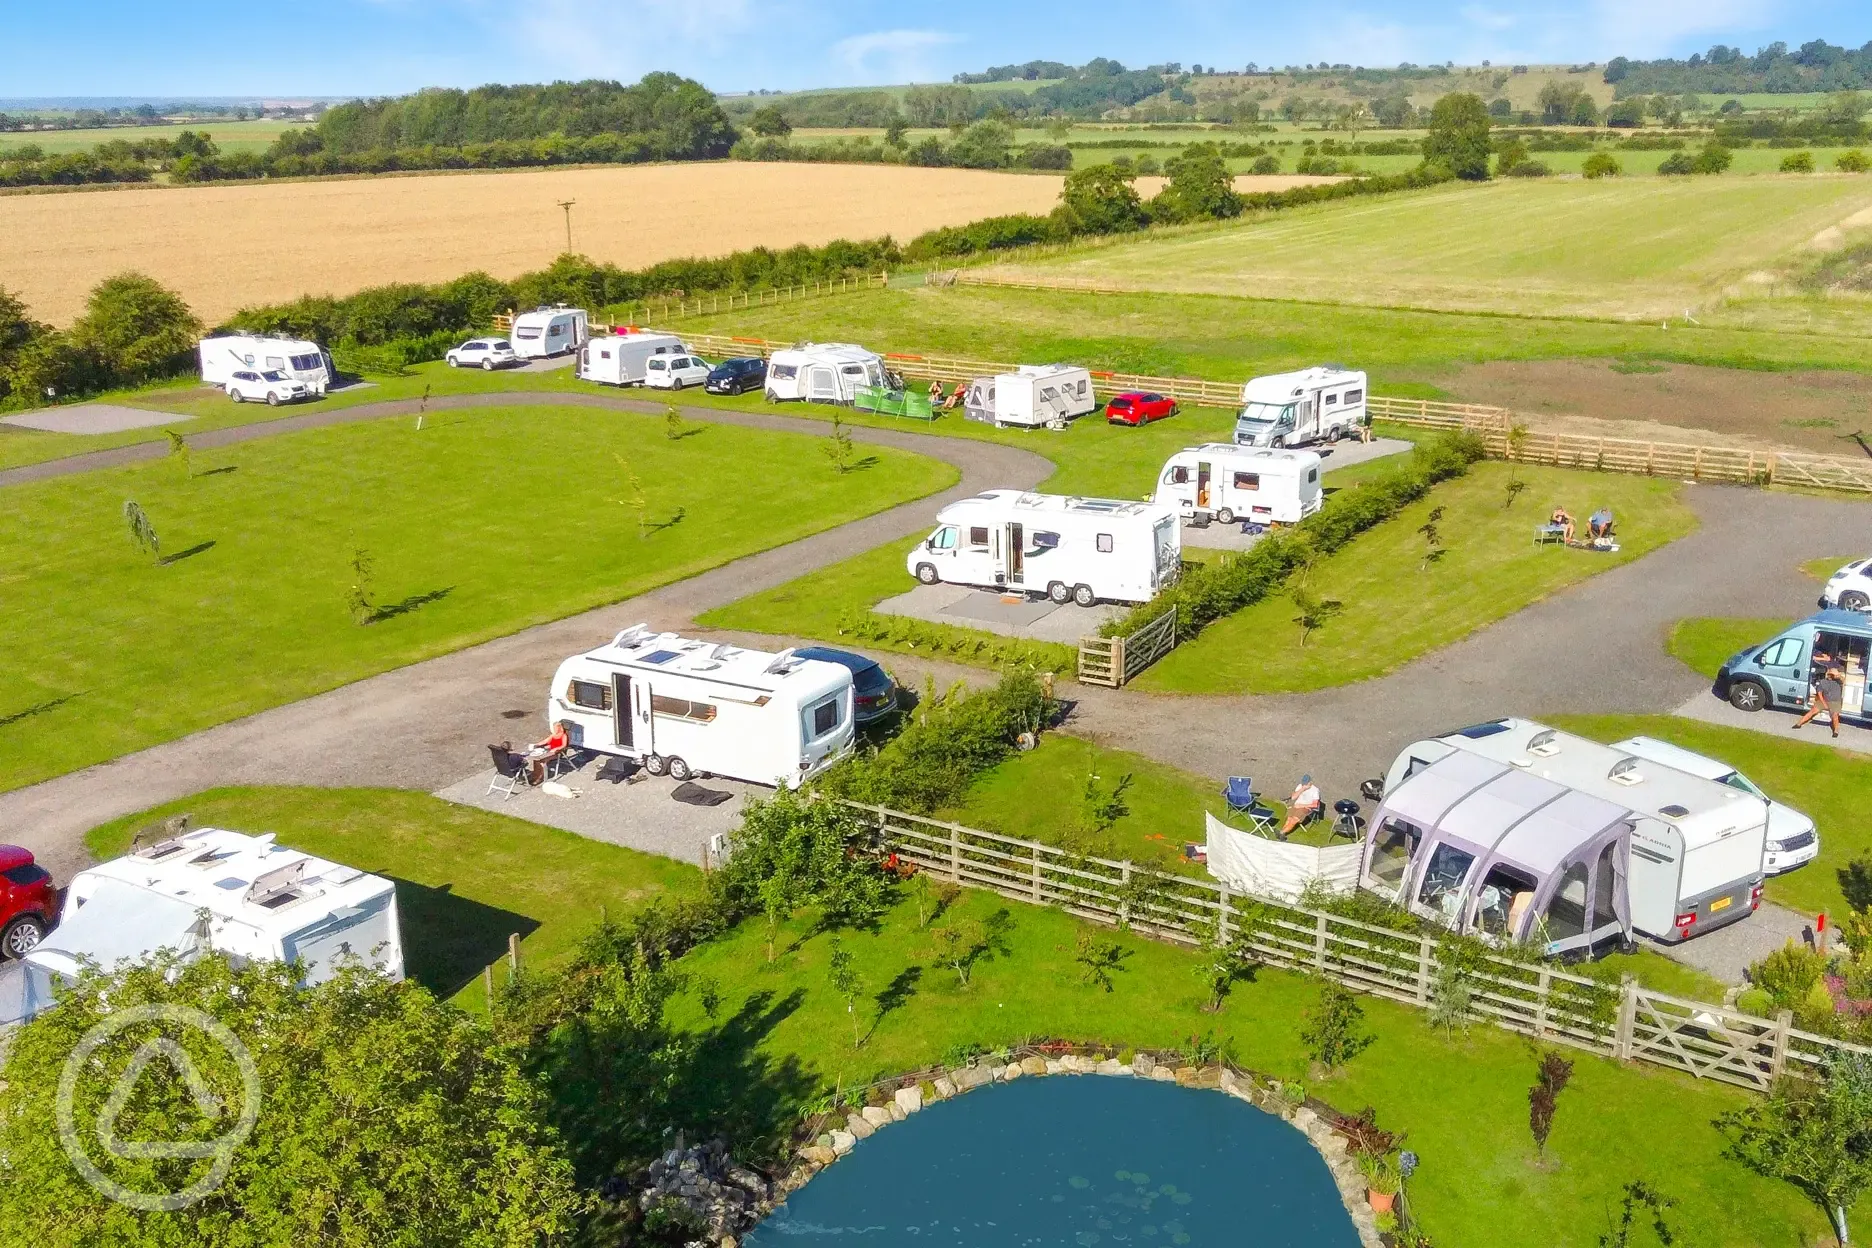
736, 376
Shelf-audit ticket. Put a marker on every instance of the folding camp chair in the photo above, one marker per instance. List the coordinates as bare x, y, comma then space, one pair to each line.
510, 771
1241, 799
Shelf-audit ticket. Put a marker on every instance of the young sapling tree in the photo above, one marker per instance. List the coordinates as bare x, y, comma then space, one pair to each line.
843, 977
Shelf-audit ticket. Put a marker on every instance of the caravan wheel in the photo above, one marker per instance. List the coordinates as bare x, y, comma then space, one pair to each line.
1058, 592
654, 764
1224, 516
1084, 596
678, 769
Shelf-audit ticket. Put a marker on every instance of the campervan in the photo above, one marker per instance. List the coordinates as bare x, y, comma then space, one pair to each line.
214, 891
547, 332
690, 708
304, 362
620, 359
1695, 848
1225, 482
1083, 550
1035, 395
1780, 671
1290, 409
822, 372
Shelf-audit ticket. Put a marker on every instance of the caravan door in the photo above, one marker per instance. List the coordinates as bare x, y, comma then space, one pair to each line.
1203, 473
1014, 542
821, 384
621, 710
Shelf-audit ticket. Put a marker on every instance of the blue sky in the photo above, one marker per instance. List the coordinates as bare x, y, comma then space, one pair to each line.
288, 47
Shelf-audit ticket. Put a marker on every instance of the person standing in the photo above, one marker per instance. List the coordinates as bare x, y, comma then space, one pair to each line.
1829, 690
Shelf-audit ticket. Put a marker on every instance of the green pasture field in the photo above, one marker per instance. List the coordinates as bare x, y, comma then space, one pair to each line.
230, 136
466, 879
1629, 247
1703, 644
1398, 608
1828, 784
112, 651
1748, 160
781, 1036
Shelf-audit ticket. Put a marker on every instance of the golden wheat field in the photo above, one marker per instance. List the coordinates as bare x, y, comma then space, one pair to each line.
228, 246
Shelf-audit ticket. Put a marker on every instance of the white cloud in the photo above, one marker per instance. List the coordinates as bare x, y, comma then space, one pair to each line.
892, 55
1486, 19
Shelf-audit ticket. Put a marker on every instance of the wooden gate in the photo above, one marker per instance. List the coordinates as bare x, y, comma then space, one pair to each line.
1113, 661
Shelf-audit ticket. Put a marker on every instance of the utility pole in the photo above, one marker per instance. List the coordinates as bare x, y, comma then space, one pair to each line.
566, 204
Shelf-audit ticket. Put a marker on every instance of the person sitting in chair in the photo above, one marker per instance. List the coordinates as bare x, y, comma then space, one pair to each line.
1599, 524
1303, 805
955, 397
543, 752
935, 394
1565, 521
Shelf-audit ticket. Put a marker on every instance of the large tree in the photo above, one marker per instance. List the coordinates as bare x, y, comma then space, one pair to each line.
1459, 136
18, 331
136, 329
1100, 199
383, 1117
1200, 187
1814, 1134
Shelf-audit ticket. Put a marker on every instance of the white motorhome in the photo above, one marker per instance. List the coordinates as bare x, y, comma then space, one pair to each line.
1083, 550
1035, 395
1320, 404
1697, 845
305, 362
1228, 483
547, 332
214, 891
620, 359
690, 708
822, 372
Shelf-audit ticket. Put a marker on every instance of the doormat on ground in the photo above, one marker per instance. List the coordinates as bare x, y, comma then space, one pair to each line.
695, 795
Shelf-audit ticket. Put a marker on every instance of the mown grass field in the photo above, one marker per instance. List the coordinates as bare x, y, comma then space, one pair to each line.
110, 651
1704, 643
1398, 607
1635, 248
229, 136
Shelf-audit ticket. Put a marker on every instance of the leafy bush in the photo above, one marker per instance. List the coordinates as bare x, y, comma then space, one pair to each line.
1602, 165
1797, 162
1529, 169
1852, 160
1794, 978
905, 635
1714, 158
1677, 164
1265, 165
797, 848
1333, 1032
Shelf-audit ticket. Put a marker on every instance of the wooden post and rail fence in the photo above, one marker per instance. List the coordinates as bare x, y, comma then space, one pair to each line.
1627, 1021
670, 307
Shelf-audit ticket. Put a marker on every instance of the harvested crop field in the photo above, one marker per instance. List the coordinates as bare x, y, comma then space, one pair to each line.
224, 247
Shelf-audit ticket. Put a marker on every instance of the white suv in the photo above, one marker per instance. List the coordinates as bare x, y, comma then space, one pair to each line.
273, 386
1792, 837
673, 372
1850, 588
488, 353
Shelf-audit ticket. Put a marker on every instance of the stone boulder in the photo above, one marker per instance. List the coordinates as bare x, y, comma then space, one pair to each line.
1163, 1074
819, 1155
895, 1111
1143, 1064
1033, 1065
1054, 1066
1112, 1066
877, 1115
859, 1126
843, 1142
909, 1100
944, 1088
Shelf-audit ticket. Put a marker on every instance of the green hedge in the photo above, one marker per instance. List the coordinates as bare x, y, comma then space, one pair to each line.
1208, 592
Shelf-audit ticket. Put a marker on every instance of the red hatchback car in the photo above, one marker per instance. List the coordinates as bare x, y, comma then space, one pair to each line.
28, 902
1138, 407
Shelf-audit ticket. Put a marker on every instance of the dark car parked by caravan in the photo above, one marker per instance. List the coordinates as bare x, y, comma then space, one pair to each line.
737, 376
874, 695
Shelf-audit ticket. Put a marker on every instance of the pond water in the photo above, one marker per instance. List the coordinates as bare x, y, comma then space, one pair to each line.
1082, 1160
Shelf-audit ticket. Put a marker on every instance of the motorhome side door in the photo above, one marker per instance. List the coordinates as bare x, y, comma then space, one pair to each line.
1015, 543
1202, 484
621, 710
1783, 665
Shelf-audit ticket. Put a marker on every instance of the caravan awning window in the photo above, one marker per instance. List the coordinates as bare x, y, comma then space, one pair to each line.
782, 372
1443, 880
1396, 845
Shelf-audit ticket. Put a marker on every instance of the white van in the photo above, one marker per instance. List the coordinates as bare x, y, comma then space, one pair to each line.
305, 362
546, 332
690, 708
1697, 845
1793, 838
1083, 550
1032, 396
1291, 409
822, 372
623, 359
1228, 483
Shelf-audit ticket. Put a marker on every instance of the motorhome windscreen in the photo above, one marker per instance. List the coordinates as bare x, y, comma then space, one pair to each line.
1267, 413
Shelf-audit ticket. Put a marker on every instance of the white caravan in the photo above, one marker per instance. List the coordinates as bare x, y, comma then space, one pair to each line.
546, 332
1793, 838
622, 359
822, 372
1320, 404
1083, 550
693, 708
1035, 395
1229, 483
305, 362
214, 891
1696, 845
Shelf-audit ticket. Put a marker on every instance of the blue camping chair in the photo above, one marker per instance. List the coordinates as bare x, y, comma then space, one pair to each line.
1241, 799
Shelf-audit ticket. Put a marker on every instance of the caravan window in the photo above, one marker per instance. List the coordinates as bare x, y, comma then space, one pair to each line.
1353, 396
1443, 880
1046, 541
1331, 399
824, 716
554, 330
1566, 913
978, 536
1247, 480
589, 695
1312, 474
1505, 893
1396, 846
305, 361
528, 332
852, 370
1605, 888
783, 372
276, 362
1178, 475
682, 708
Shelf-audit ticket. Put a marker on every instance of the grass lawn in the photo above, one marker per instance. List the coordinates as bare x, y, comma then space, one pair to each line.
1625, 247
1396, 609
1828, 784
1822, 570
229, 136
1703, 644
110, 651
466, 879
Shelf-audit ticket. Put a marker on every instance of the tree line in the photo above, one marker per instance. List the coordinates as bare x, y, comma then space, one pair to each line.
1774, 70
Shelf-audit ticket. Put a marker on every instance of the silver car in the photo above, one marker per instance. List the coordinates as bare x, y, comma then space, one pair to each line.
484, 353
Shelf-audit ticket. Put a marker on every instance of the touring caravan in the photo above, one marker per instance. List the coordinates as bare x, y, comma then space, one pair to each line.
1780, 671
1696, 845
1227, 483
1291, 409
214, 891
547, 332
305, 362
690, 708
619, 360
1083, 550
1035, 395
822, 372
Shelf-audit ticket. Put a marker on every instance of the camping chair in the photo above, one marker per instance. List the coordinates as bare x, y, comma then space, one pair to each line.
1545, 533
1241, 799
510, 771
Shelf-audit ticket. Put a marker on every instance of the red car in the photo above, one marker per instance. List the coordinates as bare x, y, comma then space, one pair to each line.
28, 902
1138, 407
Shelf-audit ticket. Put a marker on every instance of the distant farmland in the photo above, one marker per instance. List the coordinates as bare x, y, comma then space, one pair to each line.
1627, 248
225, 246
230, 136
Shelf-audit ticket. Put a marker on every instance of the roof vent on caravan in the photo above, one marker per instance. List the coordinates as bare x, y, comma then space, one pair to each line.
722, 651
1625, 771
162, 849
279, 887
632, 637
783, 663
1674, 810
1544, 744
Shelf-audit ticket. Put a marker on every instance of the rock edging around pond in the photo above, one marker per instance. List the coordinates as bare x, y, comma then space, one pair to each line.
928, 1086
